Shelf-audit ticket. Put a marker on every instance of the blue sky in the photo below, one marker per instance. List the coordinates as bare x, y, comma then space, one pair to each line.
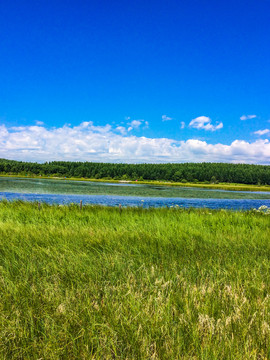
149, 81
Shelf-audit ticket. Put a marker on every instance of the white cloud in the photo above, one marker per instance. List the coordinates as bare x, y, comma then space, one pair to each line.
166, 118
247, 117
136, 123
133, 125
121, 129
183, 124
3, 131
87, 142
39, 122
262, 132
204, 122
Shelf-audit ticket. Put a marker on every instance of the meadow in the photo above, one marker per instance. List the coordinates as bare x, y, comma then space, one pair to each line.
133, 283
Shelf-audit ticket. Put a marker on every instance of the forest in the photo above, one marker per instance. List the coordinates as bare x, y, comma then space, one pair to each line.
183, 172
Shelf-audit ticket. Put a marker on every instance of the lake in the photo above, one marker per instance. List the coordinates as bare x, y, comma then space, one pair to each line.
112, 194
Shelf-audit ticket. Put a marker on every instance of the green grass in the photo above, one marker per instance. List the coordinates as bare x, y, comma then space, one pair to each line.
136, 284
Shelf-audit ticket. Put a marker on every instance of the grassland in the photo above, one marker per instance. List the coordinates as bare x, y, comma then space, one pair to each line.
100, 283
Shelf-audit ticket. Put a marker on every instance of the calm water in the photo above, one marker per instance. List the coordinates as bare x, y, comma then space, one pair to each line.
66, 191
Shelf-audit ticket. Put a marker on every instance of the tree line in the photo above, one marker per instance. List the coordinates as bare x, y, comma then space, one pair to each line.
184, 172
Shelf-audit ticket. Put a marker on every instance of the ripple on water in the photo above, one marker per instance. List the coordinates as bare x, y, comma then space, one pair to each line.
146, 202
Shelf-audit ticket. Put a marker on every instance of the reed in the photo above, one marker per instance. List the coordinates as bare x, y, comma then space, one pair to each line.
135, 283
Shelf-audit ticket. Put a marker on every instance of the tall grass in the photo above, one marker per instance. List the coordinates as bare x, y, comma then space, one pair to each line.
133, 284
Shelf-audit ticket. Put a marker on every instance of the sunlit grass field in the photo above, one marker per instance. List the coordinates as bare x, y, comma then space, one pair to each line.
105, 283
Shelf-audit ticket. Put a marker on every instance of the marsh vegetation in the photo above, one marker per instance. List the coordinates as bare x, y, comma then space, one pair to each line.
102, 283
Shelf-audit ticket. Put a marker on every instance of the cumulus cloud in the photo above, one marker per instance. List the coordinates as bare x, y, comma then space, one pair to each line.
135, 124
204, 122
247, 117
183, 124
121, 129
166, 118
262, 132
87, 142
